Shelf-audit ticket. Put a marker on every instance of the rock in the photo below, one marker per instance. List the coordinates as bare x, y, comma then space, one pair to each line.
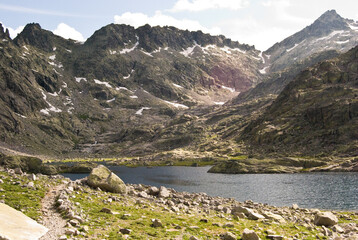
164, 192
295, 206
174, 209
248, 234
126, 216
337, 229
63, 237
1, 181
156, 223
154, 191
31, 185
16, 225
255, 216
103, 178
143, 194
74, 222
109, 211
229, 225
32, 177
228, 236
18, 171
325, 219
274, 217
70, 231
204, 220
275, 237
193, 238
125, 231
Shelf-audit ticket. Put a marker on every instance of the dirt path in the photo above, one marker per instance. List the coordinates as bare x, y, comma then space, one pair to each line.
52, 219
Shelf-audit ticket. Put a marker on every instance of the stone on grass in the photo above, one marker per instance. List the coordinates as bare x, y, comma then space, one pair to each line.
275, 237
228, 236
16, 225
156, 223
248, 234
250, 213
125, 231
274, 217
193, 238
103, 178
325, 219
109, 211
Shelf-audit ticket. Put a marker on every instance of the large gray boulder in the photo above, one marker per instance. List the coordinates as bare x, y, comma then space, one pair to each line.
17, 226
248, 234
103, 178
325, 219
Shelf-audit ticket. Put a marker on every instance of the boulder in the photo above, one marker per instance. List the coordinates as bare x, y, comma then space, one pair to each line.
16, 225
228, 236
154, 191
164, 192
274, 217
156, 223
103, 178
248, 234
325, 219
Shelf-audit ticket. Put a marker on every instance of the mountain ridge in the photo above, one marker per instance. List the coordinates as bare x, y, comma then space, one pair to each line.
148, 91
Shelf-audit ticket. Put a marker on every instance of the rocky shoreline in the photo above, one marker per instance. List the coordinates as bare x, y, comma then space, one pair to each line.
168, 214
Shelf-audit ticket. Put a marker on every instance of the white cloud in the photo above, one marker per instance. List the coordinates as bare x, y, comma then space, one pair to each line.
15, 32
202, 5
159, 19
254, 32
68, 32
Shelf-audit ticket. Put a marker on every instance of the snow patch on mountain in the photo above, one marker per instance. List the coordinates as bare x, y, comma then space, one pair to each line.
177, 105
354, 28
147, 53
263, 71
228, 88
140, 111
189, 50
342, 42
102, 83
51, 108
79, 79
219, 103
128, 50
176, 85
332, 34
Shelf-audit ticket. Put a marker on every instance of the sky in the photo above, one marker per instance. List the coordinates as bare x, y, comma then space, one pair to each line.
255, 22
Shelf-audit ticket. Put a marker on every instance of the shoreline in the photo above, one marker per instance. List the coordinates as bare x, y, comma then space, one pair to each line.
164, 213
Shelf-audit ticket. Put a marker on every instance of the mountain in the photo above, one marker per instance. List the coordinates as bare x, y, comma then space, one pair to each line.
60, 96
316, 114
326, 38
160, 92
329, 32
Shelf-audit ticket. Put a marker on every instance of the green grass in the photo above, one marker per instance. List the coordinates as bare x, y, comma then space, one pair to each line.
107, 226
22, 198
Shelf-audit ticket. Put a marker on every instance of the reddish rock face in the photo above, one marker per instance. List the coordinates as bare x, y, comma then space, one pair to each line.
231, 77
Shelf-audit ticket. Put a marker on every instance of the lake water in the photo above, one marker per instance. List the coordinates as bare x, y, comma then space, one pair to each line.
308, 190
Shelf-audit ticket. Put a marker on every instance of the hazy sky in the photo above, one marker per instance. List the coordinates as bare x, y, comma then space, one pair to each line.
255, 22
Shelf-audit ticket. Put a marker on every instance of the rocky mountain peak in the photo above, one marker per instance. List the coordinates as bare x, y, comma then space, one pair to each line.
4, 33
329, 16
326, 23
